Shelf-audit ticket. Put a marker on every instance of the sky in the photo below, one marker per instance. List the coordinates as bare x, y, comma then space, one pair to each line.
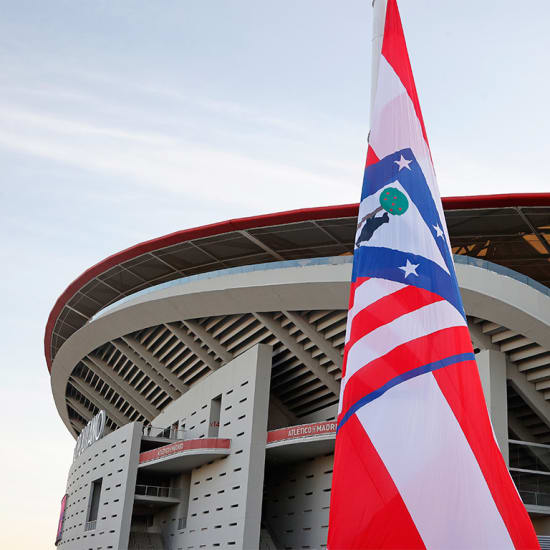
125, 120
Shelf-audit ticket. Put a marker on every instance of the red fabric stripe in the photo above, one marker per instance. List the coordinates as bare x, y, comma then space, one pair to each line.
408, 356
461, 387
394, 49
371, 156
387, 309
366, 509
386, 313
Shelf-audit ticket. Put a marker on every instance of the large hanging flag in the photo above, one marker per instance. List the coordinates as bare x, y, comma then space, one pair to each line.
416, 463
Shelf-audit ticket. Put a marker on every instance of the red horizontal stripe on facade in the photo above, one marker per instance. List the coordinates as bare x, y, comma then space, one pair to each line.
181, 446
303, 430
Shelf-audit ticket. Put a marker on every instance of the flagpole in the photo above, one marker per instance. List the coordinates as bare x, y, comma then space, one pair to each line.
378, 20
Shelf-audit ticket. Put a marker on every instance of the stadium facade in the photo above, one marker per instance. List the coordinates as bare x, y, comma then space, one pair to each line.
201, 371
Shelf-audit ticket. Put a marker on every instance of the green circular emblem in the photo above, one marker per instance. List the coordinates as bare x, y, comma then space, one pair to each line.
394, 201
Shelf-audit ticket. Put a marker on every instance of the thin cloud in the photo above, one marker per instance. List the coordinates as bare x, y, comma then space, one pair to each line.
165, 162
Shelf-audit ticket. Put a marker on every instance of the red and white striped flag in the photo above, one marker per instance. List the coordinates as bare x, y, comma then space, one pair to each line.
416, 462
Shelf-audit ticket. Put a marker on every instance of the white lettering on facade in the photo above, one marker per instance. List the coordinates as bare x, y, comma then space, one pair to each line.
312, 429
170, 449
91, 433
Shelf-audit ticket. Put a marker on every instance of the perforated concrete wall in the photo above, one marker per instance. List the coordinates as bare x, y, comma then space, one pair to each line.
224, 496
113, 459
296, 503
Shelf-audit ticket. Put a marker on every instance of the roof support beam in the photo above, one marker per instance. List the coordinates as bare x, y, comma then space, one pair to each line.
209, 340
77, 312
326, 232
95, 397
225, 355
104, 371
77, 426
154, 372
303, 356
316, 337
297, 401
541, 239
516, 344
167, 264
194, 346
539, 374
525, 435
161, 368
262, 245
527, 353
479, 339
504, 335
80, 408
319, 405
528, 392
277, 404
489, 326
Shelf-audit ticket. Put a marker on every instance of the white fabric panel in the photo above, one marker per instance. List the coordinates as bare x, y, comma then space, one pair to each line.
395, 126
417, 323
367, 293
430, 461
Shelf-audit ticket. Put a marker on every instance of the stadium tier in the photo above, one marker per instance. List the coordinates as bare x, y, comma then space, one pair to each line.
200, 372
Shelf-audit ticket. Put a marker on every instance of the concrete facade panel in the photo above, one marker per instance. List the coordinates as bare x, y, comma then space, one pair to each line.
221, 501
114, 460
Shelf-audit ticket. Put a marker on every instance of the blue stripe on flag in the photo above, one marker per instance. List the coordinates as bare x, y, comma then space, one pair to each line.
451, 360
382, 263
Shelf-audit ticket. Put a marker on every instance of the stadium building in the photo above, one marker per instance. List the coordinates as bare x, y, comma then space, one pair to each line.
202, 371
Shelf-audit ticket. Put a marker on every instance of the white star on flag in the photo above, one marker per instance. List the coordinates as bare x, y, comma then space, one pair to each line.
409, 268
438, 230
403, 163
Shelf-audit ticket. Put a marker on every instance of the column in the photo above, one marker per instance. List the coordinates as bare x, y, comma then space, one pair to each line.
492, 371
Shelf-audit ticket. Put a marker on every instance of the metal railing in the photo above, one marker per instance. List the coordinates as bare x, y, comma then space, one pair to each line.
533, 497
90, 525
165, 433
525, 455
529, 465
145, 541
155, 491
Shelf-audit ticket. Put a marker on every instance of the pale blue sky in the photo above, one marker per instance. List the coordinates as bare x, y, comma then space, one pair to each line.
124, 120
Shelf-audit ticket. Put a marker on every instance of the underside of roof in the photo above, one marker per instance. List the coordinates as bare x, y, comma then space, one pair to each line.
513, 231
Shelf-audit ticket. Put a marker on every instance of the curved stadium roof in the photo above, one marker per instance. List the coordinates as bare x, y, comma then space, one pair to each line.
510, 230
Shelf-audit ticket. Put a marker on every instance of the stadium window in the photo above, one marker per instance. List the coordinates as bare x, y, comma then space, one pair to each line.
174, 431
93, 506
215, 408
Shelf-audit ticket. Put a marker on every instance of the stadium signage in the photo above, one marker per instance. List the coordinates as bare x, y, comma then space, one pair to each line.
91, 433
61, 520
180, 446
304, 430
